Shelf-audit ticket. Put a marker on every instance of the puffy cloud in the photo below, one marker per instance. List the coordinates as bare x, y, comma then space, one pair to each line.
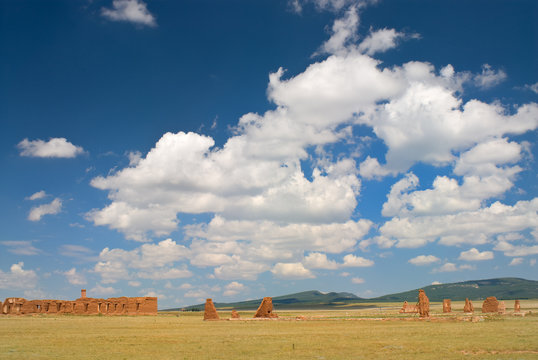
134, 11
152, 293
319, 261
424, 260
18, 278
134, 283
153, 261
489, 77
380, 41
53, 208
161, 274
291, 271
475, 255
38, 195
510, 249
436, 283
268, 209
464, 227
356, 280
21, 247
351, 260
54, 148
451, 267
516, 261
100, 290
240, 269
344, 31
73, 277
233, 288
532, 262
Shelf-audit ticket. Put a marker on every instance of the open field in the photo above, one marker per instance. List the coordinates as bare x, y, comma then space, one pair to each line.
342, 334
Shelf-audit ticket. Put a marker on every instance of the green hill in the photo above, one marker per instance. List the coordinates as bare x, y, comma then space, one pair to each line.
502, 288
307, 299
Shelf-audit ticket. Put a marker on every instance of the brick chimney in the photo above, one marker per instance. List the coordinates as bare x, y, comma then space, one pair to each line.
83, 293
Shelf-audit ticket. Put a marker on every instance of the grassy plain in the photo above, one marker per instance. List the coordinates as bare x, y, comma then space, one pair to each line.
335, 334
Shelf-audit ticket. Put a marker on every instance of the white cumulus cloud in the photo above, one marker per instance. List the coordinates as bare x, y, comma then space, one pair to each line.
475, 255
291, 271
53, 208
424, 260
54, 148
134, 11
17, 278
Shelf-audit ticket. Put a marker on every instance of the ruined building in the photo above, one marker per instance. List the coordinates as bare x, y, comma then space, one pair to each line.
423, 304
265, 310
82, 306
210, 312
406, 308
490, 305
447, 306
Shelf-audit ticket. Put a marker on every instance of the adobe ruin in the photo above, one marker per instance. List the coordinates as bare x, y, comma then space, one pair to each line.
265, 310
82, 306
490, 305
406, 308
517, 306
502, 308
210, 312
235, 315
447, 306
423, 304
468, 307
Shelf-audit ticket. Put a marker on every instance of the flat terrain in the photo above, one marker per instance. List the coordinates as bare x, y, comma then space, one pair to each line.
355, 334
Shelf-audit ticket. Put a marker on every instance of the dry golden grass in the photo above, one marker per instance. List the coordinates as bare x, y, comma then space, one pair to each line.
342, 334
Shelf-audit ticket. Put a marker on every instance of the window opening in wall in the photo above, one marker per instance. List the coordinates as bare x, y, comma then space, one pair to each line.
107, 307
47, 307
86, 307
58, 306
99, 307
137, 306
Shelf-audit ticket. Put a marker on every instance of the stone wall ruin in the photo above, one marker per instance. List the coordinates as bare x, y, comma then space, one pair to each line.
468, 307
406, 308
490, 305
423, 304
447, 306
82, 306
210, 312
265, 310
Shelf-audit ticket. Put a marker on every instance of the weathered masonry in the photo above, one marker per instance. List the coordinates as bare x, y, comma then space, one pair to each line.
82, 306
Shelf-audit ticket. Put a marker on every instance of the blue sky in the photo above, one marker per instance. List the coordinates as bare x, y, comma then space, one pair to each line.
240, 149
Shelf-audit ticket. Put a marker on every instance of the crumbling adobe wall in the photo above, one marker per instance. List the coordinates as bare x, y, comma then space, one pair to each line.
235, 315
490, 305
265, 310
468, 307
447, 306
517, 306
83, 305
423, 304
210, 312
502, 307
406, 308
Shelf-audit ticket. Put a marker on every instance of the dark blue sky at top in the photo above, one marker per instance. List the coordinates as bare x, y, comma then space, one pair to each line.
114, 87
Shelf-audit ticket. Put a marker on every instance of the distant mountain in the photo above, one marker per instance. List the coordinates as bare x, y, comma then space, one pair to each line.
502, 288
304, 300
